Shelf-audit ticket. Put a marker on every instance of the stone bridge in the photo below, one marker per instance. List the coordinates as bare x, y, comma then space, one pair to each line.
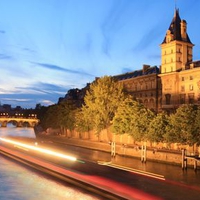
18, 122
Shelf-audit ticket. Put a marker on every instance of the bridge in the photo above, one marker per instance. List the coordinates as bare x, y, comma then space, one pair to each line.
19, 121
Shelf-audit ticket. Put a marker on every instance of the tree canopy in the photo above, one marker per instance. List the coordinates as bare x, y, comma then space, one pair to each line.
101, 102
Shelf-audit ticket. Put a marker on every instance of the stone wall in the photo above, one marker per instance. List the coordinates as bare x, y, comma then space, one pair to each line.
126, 146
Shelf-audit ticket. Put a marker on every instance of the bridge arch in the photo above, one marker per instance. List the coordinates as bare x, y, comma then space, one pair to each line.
19, 122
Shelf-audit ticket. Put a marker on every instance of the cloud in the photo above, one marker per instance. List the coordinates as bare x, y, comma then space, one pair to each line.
5, 57
125, 70
113, 22
29, 50
2, 32
45, 89
148, 38
58, 68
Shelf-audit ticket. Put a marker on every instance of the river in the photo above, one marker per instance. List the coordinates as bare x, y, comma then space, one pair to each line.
18, 182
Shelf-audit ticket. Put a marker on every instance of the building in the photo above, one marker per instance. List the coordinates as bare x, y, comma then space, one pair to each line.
175, 82
144, 85
178, 79
180, 75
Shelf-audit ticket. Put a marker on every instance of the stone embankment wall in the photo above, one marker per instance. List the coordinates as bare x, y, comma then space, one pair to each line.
125, 145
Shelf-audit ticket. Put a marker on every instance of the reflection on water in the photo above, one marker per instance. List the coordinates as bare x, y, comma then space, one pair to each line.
11, 130
20, 183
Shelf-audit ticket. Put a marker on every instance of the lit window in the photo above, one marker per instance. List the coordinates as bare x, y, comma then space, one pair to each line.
191, 87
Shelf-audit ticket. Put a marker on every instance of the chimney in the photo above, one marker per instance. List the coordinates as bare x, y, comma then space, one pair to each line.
145, 68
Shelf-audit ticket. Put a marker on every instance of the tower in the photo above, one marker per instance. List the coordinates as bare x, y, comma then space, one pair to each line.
176, 48
176, 54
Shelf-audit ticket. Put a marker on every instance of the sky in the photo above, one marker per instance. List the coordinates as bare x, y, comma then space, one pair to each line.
50, 46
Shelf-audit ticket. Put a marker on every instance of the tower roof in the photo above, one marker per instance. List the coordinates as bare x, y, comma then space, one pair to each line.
175, 28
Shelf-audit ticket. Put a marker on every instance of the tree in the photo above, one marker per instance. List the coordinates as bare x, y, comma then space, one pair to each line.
101, 102
60, 116
132, 118
66, 116
157, 127
197, 126
181, 128
50, 118
83, 120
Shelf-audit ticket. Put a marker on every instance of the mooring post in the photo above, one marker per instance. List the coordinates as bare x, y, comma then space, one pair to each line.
195, 164
143, 153
113, 150
184, 159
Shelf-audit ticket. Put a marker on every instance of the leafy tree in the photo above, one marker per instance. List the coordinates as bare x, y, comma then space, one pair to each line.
122, 122
142, 119
101, 102
181, 127
132, 118
157, 127
83, 120
66, 116
197, 126
60, 116
50, 118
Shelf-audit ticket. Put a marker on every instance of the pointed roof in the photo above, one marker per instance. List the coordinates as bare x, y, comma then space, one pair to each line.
175, 28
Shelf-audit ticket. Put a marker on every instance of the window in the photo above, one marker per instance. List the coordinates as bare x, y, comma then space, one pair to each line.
172, 69
191, 98
168, 99
191, 87
182, 78
191, 77
182, 99
182, 88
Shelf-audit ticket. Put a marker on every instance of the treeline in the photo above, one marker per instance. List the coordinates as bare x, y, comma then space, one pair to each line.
108, 106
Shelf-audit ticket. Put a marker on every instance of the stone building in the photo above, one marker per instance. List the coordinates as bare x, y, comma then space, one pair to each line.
180, 75
178, 79
175, 82
144, 85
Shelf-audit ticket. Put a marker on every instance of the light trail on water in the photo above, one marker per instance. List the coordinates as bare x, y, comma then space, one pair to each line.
35, 148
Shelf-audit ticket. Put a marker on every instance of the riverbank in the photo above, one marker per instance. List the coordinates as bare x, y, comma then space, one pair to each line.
152, 154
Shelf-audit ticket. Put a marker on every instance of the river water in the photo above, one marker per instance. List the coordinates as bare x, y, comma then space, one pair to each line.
20, 183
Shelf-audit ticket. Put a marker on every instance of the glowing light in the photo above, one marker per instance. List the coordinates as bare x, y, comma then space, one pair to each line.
47, 151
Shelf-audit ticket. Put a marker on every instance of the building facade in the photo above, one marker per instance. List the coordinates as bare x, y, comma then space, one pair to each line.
176, 82
180, 75
144, 85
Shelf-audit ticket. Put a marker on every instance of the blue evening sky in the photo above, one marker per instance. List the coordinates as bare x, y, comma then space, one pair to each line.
50, 46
